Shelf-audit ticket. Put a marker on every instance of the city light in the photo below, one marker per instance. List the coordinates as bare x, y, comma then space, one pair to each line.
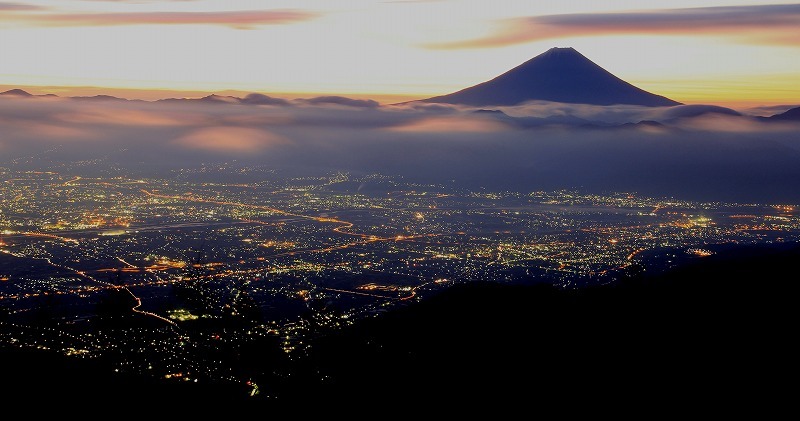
290, 258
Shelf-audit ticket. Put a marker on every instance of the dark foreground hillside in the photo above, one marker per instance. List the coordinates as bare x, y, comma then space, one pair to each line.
717, 332
719, 329
42, 377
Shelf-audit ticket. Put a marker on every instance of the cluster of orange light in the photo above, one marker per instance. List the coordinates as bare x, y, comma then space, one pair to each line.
376, 287
279, 244
45, 235
693, 223
756, 227
700, 252
60, 224
171, 263
105, 221
210, 265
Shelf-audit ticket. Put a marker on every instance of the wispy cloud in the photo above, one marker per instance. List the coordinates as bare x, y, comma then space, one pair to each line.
767, 24
141, 1
459, 124
241, 19
412, 1
18, 7
122, 116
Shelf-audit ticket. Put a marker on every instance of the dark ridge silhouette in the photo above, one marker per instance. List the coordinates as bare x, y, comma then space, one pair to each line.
649, 123
559, 75
529, 122
646, 336
261, 99
697, 110
340, 100
219, 99
791, 115
497, 113
16, 92
208, 99
644, 124
249, 99
98, 98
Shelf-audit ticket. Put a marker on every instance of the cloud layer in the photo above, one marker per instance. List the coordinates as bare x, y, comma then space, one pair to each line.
699, 152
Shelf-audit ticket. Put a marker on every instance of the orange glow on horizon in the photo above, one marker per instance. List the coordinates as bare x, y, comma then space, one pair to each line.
775, 90
735, 91
708, 51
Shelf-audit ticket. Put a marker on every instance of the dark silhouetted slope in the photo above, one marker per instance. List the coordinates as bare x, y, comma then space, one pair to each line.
791, 115
261, 99
697, 110
30, 374
560, 75
98, 98
16, 92
719, 324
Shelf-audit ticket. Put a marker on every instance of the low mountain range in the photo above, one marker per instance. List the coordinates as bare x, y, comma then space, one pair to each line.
790, 115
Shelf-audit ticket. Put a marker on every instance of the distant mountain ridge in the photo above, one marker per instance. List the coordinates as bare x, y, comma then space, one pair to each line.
249, 99
678, 112
790, 115
558, 75
16, 92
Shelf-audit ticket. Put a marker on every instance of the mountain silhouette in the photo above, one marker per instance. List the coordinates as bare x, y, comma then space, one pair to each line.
791, 115
98, 98
697, 110
16, 92
261, 99
559, 75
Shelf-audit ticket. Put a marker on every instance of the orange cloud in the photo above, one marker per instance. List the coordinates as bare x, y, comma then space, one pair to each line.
452, 125
127, 117
235, 140
766, 24
21, 124
244, 19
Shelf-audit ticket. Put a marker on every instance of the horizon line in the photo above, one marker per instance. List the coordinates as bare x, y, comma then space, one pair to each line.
156, 94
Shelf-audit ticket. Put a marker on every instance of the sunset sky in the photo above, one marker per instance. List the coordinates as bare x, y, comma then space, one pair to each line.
722, 52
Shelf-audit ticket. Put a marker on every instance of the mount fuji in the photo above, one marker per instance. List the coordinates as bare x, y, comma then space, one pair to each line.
558, 75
